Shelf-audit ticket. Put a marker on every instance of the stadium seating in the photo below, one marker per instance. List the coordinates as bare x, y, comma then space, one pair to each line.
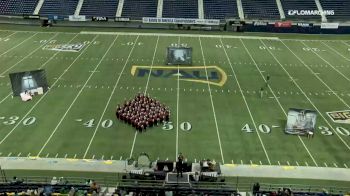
107, 8
299, 5
140, 8
17, 7
220, 9
58, 7
180, 9
260, 9
341, 9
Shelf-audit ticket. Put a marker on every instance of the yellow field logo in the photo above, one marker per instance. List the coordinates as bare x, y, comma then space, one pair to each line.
213, 75
340, 116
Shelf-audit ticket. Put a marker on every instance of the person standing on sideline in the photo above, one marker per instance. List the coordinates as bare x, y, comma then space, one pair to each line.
179, 162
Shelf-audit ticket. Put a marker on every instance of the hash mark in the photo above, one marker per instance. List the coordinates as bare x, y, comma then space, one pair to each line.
288, 163
345, 165
19, 154
306, 164
9, 154
297, 163
335, 165
111, 157
65, 156
47, 155
241, 162
27, 155
56, 155
260, 162
121, 157
103, 156
325, 164
93, 156
278, 162
75, 156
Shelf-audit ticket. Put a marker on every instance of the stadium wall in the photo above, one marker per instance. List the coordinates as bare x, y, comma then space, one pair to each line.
249, 26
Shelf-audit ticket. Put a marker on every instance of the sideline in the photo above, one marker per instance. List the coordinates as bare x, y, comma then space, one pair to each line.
177, 35
121, 166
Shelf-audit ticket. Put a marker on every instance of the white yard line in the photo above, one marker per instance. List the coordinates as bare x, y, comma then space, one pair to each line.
212, 103
29, 54
18, 44
275, 97
5, 98
245, 101
42, 97
334, 50
9, 35
110, 98
340, 73
301, 90
177, 107
148, 78
53, 56
77, 96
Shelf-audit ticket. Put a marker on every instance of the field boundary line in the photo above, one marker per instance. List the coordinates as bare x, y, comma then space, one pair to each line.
335, 51
301, 90
76, 97
33, 107
42, 65
212, 103
148, 78
25, 57
10, 49
275, 97
327, 62
327, 87
245, 101
110, 98
177, 35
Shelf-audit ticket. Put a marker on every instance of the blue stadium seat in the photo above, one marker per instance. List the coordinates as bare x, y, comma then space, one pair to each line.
180, 9
260, 9
341, 9
107, 8
220, 9
140, 8
299, 5
17, 7
58, 7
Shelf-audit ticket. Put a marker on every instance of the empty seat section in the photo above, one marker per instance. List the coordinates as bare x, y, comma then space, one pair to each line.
260, 9
341, 9
107, 8
140, 8
17, 7
58, 7
220, 9
180, 8
290, 6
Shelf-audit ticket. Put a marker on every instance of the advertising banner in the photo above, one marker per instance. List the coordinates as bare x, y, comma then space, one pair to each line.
99, 18
325, 25
284, 24
181, 21
260, 23
122, 19
77, 18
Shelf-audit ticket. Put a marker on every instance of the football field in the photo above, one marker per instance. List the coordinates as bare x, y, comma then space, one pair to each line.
218, 110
